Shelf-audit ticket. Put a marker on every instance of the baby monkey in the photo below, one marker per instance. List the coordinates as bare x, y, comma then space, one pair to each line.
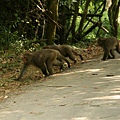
109, 45
44, 59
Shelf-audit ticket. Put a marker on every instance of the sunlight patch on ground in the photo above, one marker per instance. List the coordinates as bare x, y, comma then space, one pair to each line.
115, 90
92, 70
113, 77
80, 118
79, 71
9, 112
105, 97
6, 113
117, 58
97, 83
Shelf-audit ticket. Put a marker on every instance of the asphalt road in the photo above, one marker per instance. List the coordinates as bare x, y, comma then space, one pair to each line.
90, 91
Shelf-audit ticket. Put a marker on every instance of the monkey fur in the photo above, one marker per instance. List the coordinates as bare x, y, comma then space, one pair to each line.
44, 59
65, 50
109, 45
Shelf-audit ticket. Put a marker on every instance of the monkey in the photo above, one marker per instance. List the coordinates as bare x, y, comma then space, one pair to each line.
109, 45
65, 50
44, 59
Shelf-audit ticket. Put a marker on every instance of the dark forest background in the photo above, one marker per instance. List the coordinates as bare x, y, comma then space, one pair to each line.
28, 22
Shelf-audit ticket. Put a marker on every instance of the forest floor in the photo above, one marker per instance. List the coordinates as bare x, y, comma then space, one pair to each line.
11, 66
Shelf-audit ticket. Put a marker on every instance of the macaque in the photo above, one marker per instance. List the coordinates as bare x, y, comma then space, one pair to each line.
65, 50
109, 45
44, 59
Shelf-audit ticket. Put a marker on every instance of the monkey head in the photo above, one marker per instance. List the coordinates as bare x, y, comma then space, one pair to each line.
27, 58
100, 41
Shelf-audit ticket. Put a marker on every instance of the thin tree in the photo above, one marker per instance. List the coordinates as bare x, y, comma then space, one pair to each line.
51, 26
113, 17
83, 19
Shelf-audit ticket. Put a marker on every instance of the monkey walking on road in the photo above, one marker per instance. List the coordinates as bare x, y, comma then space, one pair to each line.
65, 50
109, 45
44, 59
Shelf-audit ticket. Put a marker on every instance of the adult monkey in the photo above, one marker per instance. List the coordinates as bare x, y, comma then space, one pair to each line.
65, 50
44, 59
109, 45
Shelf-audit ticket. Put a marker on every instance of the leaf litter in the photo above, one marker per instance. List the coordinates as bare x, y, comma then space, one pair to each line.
10, 65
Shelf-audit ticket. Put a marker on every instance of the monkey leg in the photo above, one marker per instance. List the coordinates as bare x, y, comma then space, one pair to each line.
61, 58
49, 63
43, 68
58, 63
118, 48
109, 56
78, 55
23, 70
68, 63
112, 53
70, 55
49, 67
81, 57
106, 53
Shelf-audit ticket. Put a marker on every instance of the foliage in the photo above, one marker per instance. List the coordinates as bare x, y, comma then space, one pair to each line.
24, 22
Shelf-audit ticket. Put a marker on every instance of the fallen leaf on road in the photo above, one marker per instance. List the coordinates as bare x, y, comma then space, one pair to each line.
109, 75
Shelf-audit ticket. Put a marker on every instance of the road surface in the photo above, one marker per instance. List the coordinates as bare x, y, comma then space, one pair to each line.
90, 91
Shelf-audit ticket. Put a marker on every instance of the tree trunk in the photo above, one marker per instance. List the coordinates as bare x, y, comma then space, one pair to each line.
51, 26
83, 19
113, 17
62, 21
73, 26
